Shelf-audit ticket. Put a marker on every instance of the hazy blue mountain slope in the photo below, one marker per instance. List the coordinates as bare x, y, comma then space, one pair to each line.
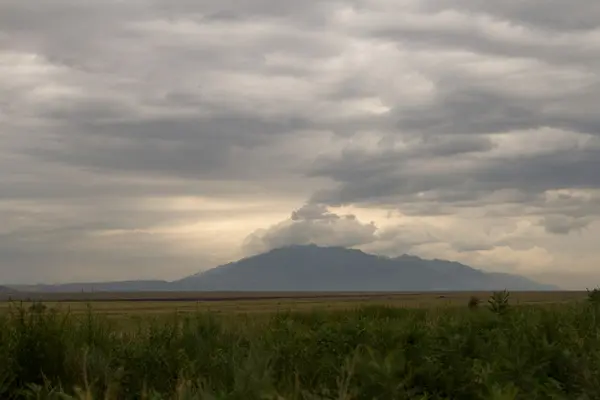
314, 268
118, 286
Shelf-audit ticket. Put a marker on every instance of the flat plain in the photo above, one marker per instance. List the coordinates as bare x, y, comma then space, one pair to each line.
113, 303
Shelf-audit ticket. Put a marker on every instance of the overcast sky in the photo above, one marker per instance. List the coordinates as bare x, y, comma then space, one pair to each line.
155, 138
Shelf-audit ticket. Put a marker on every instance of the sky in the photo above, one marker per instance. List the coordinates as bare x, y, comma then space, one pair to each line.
151, 139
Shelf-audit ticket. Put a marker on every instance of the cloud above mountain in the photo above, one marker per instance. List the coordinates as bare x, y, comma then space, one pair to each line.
147, 139
312, 224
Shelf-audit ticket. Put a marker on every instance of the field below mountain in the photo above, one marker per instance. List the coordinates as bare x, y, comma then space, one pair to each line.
128, 304
494, 351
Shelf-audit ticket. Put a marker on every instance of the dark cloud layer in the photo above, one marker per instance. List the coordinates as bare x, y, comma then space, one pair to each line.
447, 114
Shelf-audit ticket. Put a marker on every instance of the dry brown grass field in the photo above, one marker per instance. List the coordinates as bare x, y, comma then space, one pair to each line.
145, 303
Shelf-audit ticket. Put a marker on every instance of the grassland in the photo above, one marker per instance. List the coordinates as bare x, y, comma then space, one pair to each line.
124, 304
537, 346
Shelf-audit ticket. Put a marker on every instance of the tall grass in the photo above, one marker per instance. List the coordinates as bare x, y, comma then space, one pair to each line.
368, 353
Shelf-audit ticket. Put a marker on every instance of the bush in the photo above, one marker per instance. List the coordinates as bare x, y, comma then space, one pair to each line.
594, 296
498, 302
474, 302
37, 307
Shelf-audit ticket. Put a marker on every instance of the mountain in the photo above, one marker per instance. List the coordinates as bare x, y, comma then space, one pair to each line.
314, 268
118, 286
4, 289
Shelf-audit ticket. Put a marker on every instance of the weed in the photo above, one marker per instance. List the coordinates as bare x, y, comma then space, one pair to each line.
498, 302
594, 296
37, 307
474, 302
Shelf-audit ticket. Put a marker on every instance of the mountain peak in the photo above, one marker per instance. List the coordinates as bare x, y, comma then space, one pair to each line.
408, 257
311, 267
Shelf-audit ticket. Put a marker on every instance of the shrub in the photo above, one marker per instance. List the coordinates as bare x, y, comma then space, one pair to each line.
498, 302
37, 307
594, 296
474, 302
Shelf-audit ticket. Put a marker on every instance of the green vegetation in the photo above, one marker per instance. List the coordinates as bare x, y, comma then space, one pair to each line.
498, 302
474, 302
594, 296
531, 352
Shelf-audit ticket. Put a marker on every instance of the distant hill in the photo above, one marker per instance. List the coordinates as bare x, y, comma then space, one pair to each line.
119, 286
314, 268
4, 289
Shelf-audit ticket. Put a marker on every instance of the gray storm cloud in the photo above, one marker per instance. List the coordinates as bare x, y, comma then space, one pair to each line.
450, 114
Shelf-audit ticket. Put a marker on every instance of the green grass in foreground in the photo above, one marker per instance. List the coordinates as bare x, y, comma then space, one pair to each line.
550, 352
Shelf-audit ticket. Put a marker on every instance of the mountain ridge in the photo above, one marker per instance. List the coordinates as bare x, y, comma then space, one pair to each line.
319, 268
